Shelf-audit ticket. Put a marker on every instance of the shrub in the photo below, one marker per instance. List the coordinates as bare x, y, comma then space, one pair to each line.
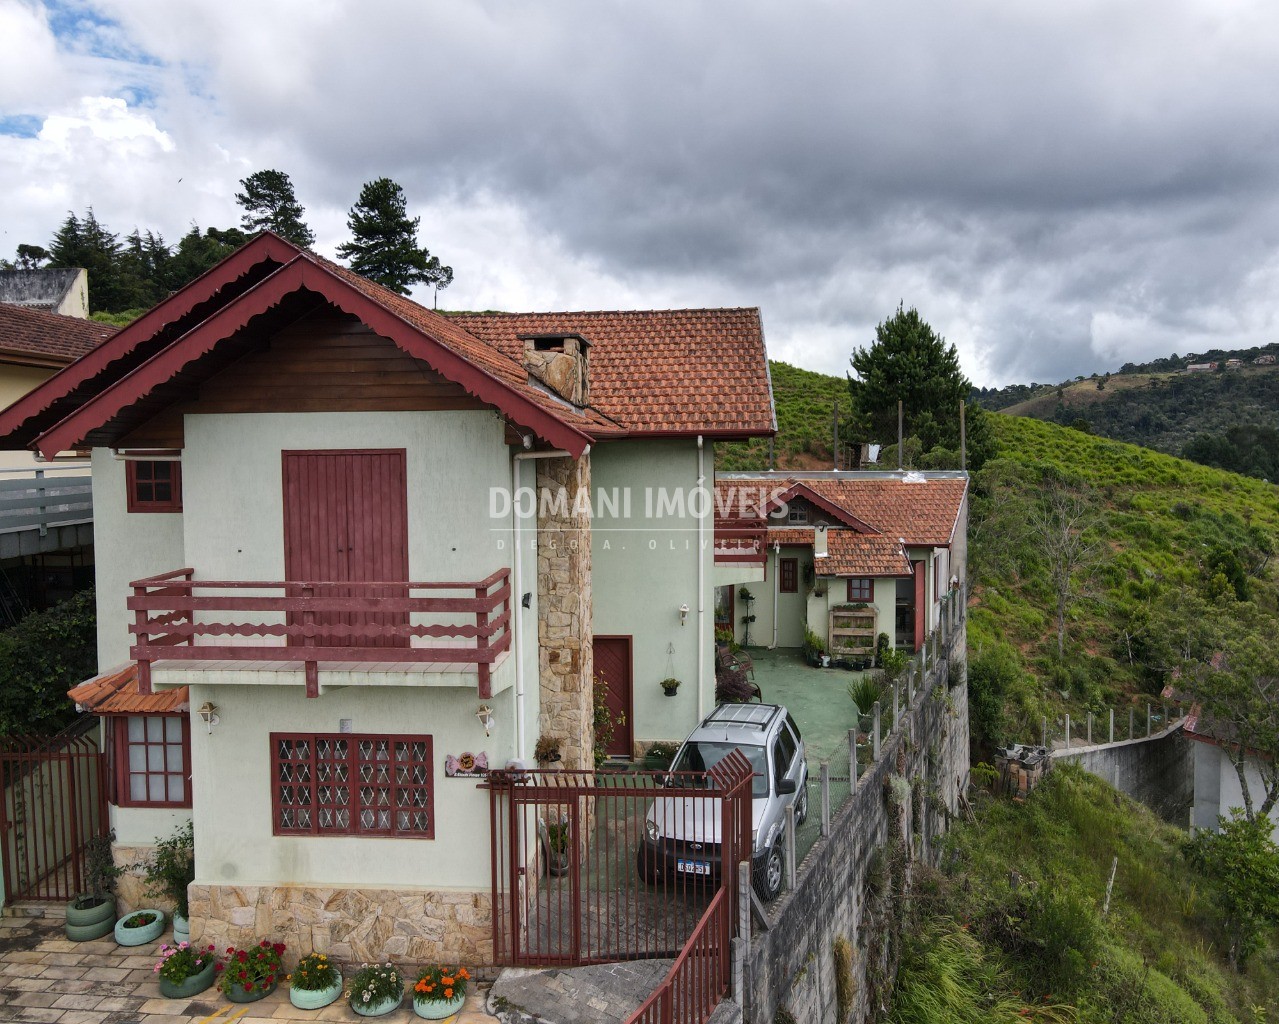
315, 972
732, 686
253, 969
41, 658
991, 675
863, 693
172, 867
375, 983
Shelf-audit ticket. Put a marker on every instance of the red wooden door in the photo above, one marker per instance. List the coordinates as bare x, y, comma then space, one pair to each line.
921, 605
613, 669
346, 520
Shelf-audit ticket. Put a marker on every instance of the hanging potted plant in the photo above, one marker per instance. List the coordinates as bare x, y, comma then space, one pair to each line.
315, 982
251, 974
168, 873
670, 686
376, 989
547, 751
139, 928
440, 991
91, 915
557, 836
184, 970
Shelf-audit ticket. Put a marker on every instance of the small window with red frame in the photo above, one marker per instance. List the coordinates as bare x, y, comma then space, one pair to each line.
154, 486
152, 759
860, 589
788, 576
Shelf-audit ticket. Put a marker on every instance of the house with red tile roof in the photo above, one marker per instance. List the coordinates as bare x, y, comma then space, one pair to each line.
344, 541
847, 556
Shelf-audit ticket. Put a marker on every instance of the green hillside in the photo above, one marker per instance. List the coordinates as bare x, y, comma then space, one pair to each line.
805, 404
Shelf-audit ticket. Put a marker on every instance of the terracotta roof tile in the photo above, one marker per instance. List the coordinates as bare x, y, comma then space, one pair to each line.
850, 553
116, 693
654, 371
791, 535
49, 338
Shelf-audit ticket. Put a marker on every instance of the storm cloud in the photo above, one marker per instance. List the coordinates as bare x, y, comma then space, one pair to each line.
1058, 188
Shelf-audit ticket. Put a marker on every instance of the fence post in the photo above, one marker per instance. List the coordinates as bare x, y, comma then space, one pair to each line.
852, 760
1090, 728
790, 845
896, 704
1132, 720
1163, 722
1147, 718
40, 507
1112, 725
744, 903
875, 748
910, 687
825, 775
1067, 732
1044, 731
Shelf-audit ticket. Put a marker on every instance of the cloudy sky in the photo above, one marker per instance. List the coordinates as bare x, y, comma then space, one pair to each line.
1058, 187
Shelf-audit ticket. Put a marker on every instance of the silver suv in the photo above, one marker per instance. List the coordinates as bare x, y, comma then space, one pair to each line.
681, 843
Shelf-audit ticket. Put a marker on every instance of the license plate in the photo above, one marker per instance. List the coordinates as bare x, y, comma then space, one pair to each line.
693, 867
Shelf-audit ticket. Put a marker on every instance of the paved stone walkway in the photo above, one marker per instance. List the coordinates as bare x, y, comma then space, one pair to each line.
44, 979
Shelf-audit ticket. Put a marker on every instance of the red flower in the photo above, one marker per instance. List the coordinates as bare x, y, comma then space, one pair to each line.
218, 968
242, 956
230, 949
242, 975
270, 979
279, 948
248, 986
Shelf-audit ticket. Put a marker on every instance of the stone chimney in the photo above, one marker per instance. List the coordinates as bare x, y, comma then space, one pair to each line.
560, 362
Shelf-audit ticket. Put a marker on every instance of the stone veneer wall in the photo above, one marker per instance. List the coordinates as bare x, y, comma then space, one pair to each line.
408, 926
564, 629
130, 887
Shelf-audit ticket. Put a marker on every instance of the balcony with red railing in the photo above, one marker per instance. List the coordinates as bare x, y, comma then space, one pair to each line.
739, 541
353, 632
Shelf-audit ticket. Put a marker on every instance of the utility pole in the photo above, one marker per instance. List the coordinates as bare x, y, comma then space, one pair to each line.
901, 423
963, 437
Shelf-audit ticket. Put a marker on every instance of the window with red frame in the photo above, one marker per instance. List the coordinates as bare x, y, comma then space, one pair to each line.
154, 486
860, 590
348, 784
788, 576
151, 760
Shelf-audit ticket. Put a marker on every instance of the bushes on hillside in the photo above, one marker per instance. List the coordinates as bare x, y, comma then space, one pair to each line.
41, 658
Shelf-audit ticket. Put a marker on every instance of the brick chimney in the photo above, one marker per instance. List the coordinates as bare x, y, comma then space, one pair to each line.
560, 362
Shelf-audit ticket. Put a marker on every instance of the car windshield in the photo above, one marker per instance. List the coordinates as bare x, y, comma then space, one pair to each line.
699, 757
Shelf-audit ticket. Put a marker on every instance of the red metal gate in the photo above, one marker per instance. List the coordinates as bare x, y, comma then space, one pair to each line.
54, 802
579, 877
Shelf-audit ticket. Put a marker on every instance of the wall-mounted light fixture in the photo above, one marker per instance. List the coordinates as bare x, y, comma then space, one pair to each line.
209, 712
485, 715
683, 614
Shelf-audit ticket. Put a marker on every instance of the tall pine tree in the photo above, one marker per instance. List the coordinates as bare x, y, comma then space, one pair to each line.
270, 205
384, 246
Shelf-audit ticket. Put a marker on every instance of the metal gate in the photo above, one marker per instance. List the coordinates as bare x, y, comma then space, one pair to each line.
54, 801
596, 867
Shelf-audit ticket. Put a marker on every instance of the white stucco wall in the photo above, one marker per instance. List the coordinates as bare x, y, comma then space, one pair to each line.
126, 546
1217, 787
643, 568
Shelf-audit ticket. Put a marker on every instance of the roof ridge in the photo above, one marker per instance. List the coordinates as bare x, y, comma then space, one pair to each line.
595, 312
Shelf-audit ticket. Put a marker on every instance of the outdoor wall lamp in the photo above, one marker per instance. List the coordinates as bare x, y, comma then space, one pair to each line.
485, 715
683, 614
209, 712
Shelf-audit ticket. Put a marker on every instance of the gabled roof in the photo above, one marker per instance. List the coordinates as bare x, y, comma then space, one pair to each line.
862, 554
33, 337
633, 367
116, 693
801, 489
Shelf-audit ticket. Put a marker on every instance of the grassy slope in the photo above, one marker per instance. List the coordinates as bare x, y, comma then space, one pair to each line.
1154, 958
804, 402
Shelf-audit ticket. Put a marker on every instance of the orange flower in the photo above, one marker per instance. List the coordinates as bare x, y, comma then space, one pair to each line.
448, 993
463, 973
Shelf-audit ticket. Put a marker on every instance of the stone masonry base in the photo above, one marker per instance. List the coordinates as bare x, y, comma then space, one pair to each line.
406, 926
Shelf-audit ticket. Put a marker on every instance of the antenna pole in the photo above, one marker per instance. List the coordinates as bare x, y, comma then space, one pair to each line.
900, 427
963, 438
834, 437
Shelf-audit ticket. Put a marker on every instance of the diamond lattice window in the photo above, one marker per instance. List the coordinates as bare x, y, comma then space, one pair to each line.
344, 784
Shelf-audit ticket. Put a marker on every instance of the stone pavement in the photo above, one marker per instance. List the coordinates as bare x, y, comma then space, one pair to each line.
44, 979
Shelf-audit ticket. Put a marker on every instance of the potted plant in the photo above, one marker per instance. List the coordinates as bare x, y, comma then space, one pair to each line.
139, 928
659, 756
864, 693
184, 970
670, 686
815, 649
168, 873
748, 599
439, 991
376, 989
251, 974
315, 982
558, 836
91, 914
547, 750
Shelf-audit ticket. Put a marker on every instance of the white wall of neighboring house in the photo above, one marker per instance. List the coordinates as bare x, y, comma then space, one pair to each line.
1217, 787
16, 381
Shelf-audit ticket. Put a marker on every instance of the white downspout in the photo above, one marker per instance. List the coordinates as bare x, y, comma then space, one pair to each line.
701, 582
517, 574
777, 590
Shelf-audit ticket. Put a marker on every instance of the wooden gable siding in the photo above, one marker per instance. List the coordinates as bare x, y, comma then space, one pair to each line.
327, 362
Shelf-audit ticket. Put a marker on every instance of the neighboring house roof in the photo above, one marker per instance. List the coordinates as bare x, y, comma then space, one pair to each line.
116, 693
171, 348
44, 289
801, 535
666, 371
33, 337
862, 554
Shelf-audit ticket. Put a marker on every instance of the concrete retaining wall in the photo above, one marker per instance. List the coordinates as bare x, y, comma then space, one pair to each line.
1158, 771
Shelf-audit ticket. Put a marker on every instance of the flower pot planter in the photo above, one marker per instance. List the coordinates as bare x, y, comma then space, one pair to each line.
313, 999
139, 936
557, 863
191, 986
237, 993
438, 1009
671, 692
181, 928
90, 922
377, 1009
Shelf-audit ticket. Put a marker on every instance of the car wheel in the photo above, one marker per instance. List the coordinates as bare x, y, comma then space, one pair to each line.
768, 882
645, 867
801, 807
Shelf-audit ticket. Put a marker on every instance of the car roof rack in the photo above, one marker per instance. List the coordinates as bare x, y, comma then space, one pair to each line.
756, 715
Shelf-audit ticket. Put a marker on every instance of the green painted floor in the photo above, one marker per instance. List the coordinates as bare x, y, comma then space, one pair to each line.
816, 697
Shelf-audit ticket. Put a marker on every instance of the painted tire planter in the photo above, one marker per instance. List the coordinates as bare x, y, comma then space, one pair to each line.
377, 1009
142, 935
438, 1009
237, 994
314, 999
181, 928
88, 923
193, 985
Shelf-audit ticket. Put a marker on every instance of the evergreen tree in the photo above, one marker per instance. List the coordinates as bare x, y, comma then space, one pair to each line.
384, 246
198, 252
87, 243
270, 205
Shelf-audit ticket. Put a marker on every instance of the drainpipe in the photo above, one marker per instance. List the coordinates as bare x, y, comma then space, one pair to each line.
701, 583
517, 574
777, 590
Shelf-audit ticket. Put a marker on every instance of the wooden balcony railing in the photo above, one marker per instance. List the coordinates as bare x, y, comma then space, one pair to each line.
740, 543
177, 617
